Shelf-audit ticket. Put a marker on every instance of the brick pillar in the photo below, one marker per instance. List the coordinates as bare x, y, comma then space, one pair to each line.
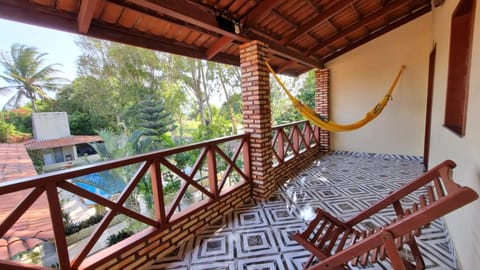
257, 115
322, 89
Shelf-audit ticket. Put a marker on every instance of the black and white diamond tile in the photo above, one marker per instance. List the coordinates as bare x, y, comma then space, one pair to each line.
259, 234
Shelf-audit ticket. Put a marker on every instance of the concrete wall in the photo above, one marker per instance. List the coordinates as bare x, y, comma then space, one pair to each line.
50, 125
360, 78
462, 224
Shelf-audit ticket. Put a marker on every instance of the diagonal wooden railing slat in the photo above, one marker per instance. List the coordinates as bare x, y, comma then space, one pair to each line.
300, 134
107, 203
150, 165
18, 211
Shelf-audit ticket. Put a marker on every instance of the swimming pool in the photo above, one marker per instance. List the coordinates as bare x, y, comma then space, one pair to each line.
93, 189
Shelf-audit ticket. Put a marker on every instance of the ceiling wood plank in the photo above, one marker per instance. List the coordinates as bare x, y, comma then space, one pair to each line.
286, 66
285, 52
218, 46
320, 18
260, 11
179, 9
285, 19
365, 20
22, 11
387, 28
85, 14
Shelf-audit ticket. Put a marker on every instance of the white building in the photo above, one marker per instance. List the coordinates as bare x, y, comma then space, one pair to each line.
60, 149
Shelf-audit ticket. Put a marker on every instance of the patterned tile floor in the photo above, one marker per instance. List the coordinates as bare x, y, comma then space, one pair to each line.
258, 235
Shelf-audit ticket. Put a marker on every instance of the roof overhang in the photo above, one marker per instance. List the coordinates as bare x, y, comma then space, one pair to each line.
301, 35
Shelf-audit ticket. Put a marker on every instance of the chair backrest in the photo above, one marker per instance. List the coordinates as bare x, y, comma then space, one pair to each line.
432, 188
429, 197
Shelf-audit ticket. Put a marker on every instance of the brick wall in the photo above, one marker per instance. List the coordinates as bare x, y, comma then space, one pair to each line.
145, 247
257, 115
322, 89
288, 169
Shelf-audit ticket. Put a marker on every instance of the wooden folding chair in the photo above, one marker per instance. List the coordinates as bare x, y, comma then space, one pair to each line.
335, 242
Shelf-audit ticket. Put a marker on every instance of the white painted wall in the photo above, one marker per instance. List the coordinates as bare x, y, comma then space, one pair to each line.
50, 125
360, 78
464, 223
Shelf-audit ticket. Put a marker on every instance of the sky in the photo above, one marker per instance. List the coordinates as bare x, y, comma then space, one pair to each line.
59, 46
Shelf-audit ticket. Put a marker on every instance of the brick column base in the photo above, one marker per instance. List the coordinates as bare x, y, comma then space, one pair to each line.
322, 89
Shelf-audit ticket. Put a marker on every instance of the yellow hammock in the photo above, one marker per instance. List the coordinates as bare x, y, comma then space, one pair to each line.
310, 114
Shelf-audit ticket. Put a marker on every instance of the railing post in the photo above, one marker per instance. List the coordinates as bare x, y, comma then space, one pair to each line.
246, 157
57, 224
157, 191
307, 134
212, 171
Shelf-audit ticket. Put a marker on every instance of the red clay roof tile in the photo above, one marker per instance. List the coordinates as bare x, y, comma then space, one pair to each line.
15, 246
70, 140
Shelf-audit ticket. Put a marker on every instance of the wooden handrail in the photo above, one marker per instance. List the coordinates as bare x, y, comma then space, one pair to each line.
149, 164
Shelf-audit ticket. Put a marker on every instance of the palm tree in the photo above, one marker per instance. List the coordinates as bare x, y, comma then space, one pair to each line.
26, 76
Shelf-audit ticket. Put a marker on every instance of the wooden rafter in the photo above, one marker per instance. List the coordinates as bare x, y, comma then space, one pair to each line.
221, 44
21, 10
181, 10
313, 6
365, 20
255, 15
260, 11
85, 14
320, 18
286, 66
190, 27
387, 28
284, 18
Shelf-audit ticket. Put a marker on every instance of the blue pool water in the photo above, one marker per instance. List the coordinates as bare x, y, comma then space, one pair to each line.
93, 189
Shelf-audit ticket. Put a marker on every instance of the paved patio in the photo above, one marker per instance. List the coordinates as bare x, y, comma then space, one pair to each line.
258, 235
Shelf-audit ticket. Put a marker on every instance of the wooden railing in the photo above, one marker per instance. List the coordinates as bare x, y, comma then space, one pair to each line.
150, 166
290, 140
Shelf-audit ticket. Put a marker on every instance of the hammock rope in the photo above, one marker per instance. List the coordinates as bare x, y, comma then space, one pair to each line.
310, 114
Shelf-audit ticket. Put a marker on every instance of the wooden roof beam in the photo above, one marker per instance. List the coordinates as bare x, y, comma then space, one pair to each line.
85, 14
181, 10
320, 18
360, 23
287, 53
260, 12
221, 44
313, 6
285, 19
23, 11
387, 28
286, 66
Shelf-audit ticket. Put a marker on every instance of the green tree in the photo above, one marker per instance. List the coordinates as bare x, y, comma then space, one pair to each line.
151, 122
228, 78
27, 76
307, 91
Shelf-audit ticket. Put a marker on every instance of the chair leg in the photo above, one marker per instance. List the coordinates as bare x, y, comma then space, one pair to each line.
419, 263
392, 251
308, 262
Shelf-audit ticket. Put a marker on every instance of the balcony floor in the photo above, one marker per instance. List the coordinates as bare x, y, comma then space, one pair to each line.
257, 236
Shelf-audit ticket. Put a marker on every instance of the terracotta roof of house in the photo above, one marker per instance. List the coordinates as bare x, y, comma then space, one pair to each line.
70, 140
34, 227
